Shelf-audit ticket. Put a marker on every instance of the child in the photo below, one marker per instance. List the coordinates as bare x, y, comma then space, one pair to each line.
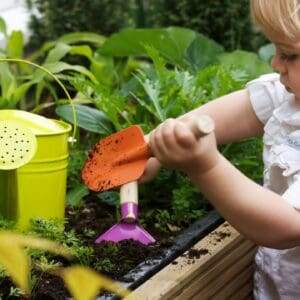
268, 106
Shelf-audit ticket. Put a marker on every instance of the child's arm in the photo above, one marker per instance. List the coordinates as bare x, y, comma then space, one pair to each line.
234, 120
261, 215
228, 111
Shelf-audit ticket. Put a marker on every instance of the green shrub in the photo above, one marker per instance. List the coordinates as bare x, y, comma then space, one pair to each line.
225, 21
57, 17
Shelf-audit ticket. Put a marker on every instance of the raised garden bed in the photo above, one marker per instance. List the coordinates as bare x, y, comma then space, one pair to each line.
184, 241
128, 262
219, 266
207, 260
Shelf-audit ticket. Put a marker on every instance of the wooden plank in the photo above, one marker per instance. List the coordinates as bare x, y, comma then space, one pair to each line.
232, 288
244, 293
222, 273
176, 279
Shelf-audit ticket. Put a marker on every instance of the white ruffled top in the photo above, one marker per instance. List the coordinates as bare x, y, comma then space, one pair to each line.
277, 272
276, 108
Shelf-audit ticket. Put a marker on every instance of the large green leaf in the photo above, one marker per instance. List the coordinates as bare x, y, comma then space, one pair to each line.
71, 38
54, 65
171, 42
20, 91
87, 37
246, 61
111, 198
57, 53
15, 45
61, 49
8, 81
58, 67
74, 197
88, 118
202, 52
82, 50
3, 27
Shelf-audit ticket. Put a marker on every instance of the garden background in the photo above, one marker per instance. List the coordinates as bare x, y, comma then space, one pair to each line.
124, 63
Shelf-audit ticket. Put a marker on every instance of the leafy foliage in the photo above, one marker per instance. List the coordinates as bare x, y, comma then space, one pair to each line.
156, 74
179, 46
56, 17
227, 22
24, 85
16, 249
157, 92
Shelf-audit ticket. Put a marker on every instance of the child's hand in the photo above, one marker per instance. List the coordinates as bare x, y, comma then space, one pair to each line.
176, 147
152, 166
151, 169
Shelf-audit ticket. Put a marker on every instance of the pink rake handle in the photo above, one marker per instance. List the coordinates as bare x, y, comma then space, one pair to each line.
129, 201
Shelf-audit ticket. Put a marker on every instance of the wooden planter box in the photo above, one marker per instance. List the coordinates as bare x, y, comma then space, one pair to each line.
224, 270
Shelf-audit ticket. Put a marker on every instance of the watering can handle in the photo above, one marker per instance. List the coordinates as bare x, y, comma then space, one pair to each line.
53, 76
129, 201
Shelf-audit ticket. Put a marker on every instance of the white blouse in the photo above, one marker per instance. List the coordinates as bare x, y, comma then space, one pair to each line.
277, 274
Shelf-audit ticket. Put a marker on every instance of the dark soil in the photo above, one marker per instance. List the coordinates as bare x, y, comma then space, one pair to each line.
112, 260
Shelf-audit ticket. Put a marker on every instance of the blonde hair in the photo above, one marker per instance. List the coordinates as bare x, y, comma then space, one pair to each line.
277, 17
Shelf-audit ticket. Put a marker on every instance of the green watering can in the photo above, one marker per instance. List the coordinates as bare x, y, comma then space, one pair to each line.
33, 166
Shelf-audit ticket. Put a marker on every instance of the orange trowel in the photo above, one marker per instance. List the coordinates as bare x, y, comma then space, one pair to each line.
119, 160
121, 157
116, 160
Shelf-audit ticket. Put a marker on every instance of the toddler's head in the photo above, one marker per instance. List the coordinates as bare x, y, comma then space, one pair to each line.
277, 18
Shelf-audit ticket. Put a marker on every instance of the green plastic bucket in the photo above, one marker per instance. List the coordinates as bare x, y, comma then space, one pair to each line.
37, 189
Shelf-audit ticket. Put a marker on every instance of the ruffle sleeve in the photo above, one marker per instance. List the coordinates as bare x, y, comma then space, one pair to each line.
266, 93
292, 194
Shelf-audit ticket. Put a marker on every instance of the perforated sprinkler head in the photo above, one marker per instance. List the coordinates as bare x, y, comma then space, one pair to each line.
17, 145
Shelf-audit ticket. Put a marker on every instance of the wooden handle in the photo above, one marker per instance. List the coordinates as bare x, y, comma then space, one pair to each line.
129, 197
201, 126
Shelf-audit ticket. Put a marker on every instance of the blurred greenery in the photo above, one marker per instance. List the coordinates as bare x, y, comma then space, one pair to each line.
57, 17
225, 21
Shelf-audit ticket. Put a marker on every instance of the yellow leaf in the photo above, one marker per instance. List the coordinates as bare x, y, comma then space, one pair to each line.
36, 242
85, 284
44, 244
15, 261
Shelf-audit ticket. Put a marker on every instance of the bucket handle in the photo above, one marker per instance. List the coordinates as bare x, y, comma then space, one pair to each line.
19, 60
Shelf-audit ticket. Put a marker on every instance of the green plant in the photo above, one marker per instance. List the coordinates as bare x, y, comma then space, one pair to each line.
18, 267
111, 251
15, 292
52, 230
162, 219
246, 156
187, 204
227, 22
83, 254
46, 265
48, 229
106, 265
181, 47
23, 83
159, 92
88, 232
57, 17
